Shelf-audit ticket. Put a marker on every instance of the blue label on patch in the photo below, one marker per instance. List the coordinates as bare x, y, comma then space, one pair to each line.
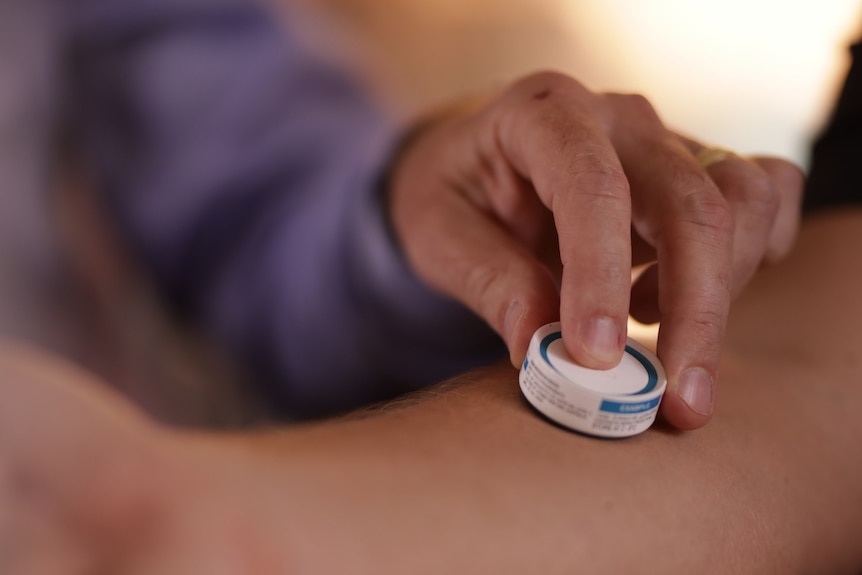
626, 407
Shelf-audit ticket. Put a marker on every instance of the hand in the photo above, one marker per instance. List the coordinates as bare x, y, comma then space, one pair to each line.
537, 205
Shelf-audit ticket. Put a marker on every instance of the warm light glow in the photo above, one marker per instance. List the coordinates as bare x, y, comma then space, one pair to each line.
754, 75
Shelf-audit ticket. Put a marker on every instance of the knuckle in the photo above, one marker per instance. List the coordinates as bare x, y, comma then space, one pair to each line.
636, 105
710, 211
611, 275
594, 175
539, 85
703, 326
607, 266
760, 196
707, 324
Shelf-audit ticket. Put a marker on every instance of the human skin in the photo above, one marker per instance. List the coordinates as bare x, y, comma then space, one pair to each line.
466, 478
548, 184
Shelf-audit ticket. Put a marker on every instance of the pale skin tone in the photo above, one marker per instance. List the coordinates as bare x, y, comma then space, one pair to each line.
467, 478
549, 184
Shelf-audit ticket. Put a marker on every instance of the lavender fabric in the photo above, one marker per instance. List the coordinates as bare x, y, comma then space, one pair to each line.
246, 171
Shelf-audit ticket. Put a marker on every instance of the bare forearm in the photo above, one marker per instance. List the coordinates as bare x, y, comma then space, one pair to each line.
469, 479
472, 481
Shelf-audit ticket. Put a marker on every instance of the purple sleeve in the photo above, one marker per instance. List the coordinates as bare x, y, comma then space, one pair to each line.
245, 171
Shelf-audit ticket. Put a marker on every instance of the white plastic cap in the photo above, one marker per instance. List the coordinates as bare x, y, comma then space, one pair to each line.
618, 402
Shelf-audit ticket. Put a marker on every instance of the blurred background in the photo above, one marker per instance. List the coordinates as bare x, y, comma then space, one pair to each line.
753, 75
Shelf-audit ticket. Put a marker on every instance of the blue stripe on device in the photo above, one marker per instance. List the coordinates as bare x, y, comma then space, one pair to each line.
622, 407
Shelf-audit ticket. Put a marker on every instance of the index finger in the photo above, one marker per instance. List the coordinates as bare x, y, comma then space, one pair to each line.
553, 132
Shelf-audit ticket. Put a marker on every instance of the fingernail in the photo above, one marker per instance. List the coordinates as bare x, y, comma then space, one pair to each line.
696, 388
513, 316
602, 339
